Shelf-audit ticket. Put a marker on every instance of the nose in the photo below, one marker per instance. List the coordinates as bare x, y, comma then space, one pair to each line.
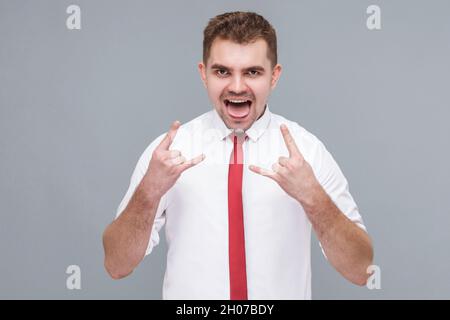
237, 85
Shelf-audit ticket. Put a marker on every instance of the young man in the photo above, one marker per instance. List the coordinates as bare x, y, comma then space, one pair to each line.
239, 188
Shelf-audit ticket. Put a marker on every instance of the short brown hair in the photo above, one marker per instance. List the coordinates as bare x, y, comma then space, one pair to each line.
242, 28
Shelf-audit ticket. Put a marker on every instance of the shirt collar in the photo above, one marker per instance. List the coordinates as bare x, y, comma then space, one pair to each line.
254, 132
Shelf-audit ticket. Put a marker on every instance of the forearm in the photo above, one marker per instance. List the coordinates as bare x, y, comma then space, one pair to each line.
348, 247
125, 240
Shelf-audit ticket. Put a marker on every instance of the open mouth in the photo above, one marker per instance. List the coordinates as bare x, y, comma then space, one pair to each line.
237, 108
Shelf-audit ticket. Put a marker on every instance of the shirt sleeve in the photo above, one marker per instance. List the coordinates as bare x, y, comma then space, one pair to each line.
138, 174
336, 186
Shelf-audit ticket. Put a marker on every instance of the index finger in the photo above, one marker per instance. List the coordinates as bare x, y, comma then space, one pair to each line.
168, 139
290, 142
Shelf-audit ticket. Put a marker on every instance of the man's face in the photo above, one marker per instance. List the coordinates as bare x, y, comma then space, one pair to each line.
239, 79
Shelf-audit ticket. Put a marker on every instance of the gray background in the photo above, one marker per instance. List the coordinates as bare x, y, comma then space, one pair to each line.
77, 108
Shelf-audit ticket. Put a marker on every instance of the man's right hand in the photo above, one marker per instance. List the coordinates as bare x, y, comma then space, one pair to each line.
166, 165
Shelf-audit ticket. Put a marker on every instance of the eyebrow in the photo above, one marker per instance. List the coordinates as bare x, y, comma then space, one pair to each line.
220, 66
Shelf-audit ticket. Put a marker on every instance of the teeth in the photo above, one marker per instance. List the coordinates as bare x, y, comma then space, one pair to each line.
237, 101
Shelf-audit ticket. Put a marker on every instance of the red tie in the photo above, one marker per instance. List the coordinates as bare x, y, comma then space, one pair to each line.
238, 274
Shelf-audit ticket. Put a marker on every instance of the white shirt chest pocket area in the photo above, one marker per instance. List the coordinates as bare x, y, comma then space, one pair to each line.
263, 192
200, 187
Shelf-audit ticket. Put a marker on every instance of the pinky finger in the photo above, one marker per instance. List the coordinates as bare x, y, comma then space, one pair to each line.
188, 164
263, 172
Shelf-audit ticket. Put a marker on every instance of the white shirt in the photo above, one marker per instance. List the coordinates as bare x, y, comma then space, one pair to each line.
277, 230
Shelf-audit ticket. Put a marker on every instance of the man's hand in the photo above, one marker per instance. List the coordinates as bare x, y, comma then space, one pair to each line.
166, 165
293, 174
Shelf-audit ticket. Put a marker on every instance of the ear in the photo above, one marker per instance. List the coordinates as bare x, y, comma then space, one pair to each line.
276, 73
202, 71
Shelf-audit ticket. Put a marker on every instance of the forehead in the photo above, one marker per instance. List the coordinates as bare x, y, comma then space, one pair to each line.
238, 56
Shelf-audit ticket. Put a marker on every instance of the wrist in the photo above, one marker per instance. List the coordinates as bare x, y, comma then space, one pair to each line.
148, 192
315, 200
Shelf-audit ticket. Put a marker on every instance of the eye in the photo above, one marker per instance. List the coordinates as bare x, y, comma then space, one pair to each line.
253, 73
222, 72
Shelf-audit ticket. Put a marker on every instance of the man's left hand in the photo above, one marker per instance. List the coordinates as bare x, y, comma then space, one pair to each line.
294, 174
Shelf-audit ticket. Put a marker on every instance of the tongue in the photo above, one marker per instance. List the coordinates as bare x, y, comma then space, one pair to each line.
238, 112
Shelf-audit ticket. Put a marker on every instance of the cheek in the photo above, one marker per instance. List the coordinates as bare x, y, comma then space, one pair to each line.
261, 89
215, 88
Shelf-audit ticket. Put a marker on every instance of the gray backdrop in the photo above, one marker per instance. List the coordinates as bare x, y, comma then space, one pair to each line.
78, 107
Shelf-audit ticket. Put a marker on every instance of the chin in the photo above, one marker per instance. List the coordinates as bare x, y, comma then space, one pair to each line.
240, 124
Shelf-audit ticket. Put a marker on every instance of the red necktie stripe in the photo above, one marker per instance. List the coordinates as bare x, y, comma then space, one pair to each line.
238, 274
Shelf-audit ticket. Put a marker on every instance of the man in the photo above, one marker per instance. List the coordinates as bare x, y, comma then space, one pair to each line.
239, 188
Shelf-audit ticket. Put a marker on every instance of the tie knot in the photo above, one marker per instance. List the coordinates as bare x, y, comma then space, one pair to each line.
239, 136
